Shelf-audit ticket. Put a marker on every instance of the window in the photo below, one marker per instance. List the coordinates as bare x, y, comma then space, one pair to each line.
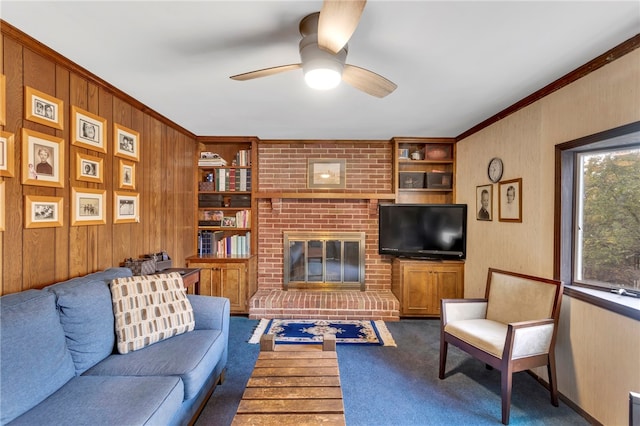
607, 218
597, 218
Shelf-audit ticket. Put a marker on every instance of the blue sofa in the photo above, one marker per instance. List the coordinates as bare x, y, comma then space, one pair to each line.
58, 363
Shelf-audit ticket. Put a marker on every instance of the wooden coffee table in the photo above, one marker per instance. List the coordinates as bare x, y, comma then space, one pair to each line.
293, 385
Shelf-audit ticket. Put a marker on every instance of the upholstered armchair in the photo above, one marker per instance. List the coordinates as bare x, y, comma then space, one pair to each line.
512, 329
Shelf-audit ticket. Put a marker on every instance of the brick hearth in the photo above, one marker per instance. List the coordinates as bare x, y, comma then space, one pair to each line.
343, 304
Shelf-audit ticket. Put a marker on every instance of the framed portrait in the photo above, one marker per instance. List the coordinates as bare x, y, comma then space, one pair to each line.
126, 207
89, 168
127, 175
326, 174
88, 206
42, 211
42, 108
2, 206
88, 130
510, 205
3, 100
7, 154
126, 143
484, 202
42, 159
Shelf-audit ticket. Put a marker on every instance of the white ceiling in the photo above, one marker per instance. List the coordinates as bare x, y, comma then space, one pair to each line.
456, 63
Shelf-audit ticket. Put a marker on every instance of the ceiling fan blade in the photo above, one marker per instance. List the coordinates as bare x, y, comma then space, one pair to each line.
266, 72
338, 21
367, 81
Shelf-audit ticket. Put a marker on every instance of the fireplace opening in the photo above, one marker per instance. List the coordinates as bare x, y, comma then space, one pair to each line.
324, 260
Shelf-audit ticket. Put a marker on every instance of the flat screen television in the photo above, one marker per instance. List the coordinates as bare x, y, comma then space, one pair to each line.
423, 231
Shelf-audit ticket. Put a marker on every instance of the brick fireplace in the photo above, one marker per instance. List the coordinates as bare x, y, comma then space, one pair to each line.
285, 204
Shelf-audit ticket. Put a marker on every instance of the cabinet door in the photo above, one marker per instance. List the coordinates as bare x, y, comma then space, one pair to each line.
207, 285
231, 279
417, 292
448, 286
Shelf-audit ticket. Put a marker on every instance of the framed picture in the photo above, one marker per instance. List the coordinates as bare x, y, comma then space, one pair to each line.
484, 202
42, 108
2, 206
88, 206
126, 207
229, 222
88, 130
42, 212
89, 168
326, 174
510, 205
127, 175
7, 154
42, 159
126, 143
3, 100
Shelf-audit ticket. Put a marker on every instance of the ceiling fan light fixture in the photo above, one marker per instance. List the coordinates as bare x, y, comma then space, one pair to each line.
322, 69
322, 78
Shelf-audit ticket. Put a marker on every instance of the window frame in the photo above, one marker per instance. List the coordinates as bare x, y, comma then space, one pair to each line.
565, 211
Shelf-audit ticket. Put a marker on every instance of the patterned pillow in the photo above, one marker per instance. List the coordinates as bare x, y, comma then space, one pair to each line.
149, 309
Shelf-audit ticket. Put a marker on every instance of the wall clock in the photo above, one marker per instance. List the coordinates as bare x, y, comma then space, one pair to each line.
495, 169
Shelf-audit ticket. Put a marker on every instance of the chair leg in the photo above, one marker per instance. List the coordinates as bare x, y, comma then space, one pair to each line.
444, 346
553, 382
506, 380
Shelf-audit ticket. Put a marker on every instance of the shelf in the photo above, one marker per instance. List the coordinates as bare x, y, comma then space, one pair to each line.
223, 167
223, 228
425, 189
327, 195
226, 192
225, 208
407, 161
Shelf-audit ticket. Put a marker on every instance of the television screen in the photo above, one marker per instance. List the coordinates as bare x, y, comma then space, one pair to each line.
426, 231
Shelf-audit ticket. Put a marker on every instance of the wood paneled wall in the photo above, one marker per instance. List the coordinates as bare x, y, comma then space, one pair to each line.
165, 176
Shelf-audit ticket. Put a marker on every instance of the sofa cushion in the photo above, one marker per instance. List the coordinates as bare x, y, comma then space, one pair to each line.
149, 309
109, 401
34, 360
86, 315
191, 356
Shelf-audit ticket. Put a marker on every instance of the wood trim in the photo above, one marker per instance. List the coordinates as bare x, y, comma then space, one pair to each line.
609, 56
28, 42
327, 195
226, 139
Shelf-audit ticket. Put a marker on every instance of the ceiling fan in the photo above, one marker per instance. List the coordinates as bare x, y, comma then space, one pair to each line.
323, 51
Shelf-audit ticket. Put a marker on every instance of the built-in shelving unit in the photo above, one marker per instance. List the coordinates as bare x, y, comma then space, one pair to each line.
225, 240
424, 170
425, 174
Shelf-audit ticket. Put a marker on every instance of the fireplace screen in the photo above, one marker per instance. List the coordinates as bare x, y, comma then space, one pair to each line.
324, 260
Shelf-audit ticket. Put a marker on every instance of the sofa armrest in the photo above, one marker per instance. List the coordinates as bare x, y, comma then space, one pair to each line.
529, 338
210, 312
462, 309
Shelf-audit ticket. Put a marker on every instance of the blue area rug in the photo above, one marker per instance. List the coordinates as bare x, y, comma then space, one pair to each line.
362, 332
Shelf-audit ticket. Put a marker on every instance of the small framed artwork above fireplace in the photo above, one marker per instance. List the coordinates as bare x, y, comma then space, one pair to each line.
326, 173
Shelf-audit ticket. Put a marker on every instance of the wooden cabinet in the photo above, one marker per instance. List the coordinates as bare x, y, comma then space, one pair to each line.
224, 242
424, 170
419, 285
233, 278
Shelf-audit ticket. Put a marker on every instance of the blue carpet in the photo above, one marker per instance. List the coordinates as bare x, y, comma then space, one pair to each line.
399, 386
359, 332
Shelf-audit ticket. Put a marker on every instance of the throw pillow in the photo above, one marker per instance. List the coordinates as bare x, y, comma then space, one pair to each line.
148, 309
